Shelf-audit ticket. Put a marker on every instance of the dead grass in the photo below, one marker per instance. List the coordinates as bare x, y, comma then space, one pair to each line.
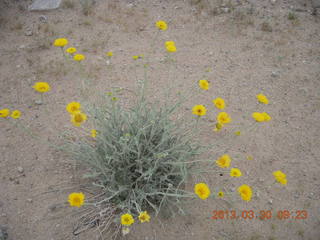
242, 18
17, 26
87, 7
266, 27
68, 4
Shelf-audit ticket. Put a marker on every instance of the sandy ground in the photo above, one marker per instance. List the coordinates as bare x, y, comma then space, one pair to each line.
243, 48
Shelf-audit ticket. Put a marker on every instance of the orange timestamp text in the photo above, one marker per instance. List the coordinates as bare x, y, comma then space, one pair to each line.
262, 214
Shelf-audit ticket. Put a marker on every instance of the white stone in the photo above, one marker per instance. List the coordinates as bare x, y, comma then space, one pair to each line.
41, 5
20, 169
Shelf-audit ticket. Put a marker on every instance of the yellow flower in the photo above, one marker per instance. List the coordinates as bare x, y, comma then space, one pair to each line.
168, 43
78, 118
238, 133
73, 107
259, 117
16, 114
71, 50
78, 57
220, 194
127, 219
93, 133
76, 199
280, 177
109, 54
224, 161
202, 190
223, 118
262, 98
135, 57
60, 42
235, 172
162, 25
4, 112
171, 48
218, 127
204, 84
219, 103
266, 116
245, 192
249, 158
144, 217
41, 87
199, 110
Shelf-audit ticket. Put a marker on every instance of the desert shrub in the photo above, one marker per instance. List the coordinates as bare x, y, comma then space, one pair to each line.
139, 155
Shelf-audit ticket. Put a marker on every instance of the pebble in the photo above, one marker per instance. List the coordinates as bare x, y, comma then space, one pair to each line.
28, 32
274, 74
3, 233
311, 195
226, 10
29, 200
270, 201
43, 18
38, 102
20, 169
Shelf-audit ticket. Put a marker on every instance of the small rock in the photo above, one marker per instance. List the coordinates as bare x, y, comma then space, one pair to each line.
43, 19
20, 169
273, 1
3, 215
22, 46
28, 32
38, 102
270, 201
16, 181
29, 200
274, 74
311, 195
226, 10
3, 233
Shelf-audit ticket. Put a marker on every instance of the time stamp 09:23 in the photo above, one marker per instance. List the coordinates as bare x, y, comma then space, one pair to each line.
261, 215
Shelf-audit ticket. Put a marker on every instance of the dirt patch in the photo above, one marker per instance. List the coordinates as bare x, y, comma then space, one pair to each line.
243, 48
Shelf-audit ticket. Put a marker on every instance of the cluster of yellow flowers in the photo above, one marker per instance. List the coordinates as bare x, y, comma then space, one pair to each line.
245, 191
170, 46
280, 177
261, 116
127, 220
61, 42
200, 110
15, 114
77, 117
203, 191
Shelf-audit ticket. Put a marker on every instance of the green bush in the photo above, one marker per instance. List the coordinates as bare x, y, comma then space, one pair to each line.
140, 153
